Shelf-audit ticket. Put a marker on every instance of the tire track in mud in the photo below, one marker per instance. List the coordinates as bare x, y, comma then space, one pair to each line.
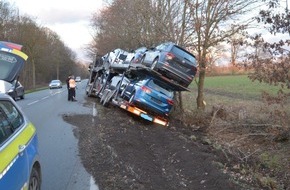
233, 95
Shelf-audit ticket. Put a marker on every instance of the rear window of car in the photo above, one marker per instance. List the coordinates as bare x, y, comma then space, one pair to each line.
160, 87
122, 56
184, 54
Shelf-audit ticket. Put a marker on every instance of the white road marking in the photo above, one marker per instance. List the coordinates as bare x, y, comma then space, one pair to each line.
45, 97
51, 94
95, 112
33, 102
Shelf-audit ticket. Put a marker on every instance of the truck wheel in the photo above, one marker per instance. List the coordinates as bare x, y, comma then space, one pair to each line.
99, 86
106, 102
107, 99
104, 95
89, 91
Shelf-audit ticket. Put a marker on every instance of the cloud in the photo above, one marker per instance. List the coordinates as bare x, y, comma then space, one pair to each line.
59, 11
68, 18
63, 16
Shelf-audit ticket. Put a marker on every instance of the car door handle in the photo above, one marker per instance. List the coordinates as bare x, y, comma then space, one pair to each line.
21, 148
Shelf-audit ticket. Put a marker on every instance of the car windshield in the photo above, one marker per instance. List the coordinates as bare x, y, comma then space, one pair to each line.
160, 87
184, 54
55, 81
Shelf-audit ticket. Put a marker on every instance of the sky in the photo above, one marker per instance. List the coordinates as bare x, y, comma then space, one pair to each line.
70, 19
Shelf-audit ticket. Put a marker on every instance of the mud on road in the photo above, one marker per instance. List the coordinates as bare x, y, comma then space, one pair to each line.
122, 151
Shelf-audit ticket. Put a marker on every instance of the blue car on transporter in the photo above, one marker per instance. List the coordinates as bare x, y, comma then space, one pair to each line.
19, 158
150, 94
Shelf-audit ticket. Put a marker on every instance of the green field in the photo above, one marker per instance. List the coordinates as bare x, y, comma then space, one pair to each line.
228, 89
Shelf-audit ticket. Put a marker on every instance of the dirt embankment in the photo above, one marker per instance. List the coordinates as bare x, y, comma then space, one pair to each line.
125, 152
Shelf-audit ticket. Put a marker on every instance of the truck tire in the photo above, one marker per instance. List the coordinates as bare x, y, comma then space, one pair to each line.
99, 86
103, 96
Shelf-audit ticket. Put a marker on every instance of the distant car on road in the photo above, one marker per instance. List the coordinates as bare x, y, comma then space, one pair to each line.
172, 61
55, 84
78, 79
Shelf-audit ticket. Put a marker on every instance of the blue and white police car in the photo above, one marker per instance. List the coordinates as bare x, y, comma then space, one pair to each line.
20, 167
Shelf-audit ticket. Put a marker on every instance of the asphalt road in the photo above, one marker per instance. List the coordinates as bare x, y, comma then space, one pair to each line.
58, 147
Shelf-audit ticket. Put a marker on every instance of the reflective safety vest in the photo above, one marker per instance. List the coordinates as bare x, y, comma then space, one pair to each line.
72, 83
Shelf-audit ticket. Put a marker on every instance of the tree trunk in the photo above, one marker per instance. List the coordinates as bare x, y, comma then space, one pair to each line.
177, 109
200, 97
180, 101
33, 73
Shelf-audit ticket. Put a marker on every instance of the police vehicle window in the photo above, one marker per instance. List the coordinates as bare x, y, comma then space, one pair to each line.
10, 120
8, 63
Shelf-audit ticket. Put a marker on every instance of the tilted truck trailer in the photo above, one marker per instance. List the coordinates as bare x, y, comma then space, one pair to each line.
108, 83
137, 70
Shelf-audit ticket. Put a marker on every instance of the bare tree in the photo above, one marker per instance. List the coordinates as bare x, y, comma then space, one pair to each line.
130, 24
8, 16
273, 68
214, 21
48, 57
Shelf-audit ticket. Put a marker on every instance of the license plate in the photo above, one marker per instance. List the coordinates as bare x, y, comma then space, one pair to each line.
146, 117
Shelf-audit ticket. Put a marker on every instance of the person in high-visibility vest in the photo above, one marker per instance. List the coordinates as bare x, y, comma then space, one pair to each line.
68, 91
72, 88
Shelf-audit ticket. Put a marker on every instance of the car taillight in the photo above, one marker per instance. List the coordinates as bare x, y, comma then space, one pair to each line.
145, 89
170, 101
169, 56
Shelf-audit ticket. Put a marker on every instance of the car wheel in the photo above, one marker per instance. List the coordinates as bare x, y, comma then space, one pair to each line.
132, 98
154, 63
34, 180
99, 86
22, 97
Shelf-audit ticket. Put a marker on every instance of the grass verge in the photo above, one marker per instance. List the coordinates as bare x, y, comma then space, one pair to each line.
249, 129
